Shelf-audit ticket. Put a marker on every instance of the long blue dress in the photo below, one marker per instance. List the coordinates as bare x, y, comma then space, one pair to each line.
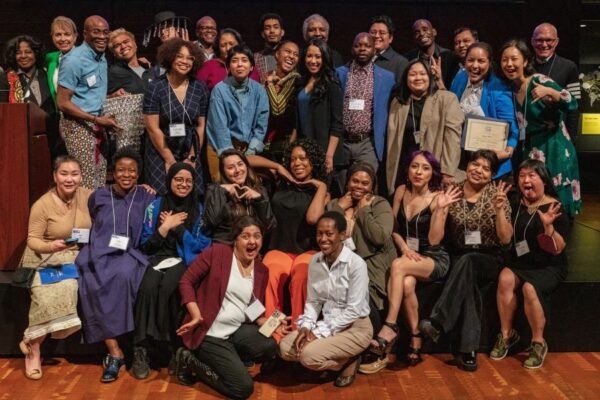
109, 278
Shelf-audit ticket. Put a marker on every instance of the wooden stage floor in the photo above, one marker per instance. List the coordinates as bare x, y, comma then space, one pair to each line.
563, 376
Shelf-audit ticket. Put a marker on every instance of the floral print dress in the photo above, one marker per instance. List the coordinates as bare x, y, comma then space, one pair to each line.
547, 140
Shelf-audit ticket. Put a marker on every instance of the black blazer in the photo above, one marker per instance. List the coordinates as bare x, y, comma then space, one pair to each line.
325, 119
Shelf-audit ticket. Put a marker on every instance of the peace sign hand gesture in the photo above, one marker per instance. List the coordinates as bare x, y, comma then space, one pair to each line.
501, 198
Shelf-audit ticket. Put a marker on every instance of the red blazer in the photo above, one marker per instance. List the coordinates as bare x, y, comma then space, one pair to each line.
205, 282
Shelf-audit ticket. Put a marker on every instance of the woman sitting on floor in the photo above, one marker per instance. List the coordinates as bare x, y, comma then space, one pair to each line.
224, 293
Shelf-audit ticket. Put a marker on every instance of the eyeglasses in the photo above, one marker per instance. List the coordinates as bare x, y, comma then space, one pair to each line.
542, 41
380, 33
179, 180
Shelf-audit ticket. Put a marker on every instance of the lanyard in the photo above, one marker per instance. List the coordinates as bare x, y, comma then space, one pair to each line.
528, 222
182, 104
412, 114
112, 202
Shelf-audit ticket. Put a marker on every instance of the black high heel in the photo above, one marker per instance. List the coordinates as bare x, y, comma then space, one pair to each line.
384, 347
414, 353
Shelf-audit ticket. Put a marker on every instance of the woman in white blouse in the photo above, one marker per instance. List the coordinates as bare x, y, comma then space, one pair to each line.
338, 288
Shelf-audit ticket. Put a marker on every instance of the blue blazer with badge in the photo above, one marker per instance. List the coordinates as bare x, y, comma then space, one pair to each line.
496, 102
382, 90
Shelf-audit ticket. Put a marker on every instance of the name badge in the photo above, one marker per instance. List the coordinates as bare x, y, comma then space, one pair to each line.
91, 80
417, 135
118, 242
176, 130
413, 243
473, 237
521, 248
82, 235
356, 104
522, 133
254, 310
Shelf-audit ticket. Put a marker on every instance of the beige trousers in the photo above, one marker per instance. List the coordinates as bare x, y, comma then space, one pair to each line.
330, 353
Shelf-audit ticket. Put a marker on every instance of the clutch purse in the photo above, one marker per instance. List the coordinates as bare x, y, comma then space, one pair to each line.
547, 243
56, 273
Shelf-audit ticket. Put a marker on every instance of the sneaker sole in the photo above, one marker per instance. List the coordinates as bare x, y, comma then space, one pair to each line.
535, 367
499, 358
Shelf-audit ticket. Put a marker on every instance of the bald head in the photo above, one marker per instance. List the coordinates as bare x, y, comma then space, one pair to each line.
544, 41
424, 34
95, 33
206, 31
363, 48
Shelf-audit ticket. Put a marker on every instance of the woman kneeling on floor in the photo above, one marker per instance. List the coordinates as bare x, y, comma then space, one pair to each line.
228, 285
338, 288
538, 263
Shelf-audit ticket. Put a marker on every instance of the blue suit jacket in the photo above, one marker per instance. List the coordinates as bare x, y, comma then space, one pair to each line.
382, 90
496, 102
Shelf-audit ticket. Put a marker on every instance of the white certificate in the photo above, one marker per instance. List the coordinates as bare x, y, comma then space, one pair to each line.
484, 133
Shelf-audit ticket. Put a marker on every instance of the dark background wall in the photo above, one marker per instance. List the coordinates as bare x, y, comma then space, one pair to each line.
496, 21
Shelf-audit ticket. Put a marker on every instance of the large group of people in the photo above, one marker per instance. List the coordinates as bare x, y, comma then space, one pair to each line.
244, 186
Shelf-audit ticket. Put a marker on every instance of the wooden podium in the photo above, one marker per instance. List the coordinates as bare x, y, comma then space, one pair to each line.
25, 174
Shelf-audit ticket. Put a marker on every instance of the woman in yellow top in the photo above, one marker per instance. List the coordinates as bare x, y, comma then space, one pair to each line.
60, 214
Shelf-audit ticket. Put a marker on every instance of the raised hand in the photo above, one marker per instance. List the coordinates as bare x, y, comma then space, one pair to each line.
451, 195
501, 198
551, 214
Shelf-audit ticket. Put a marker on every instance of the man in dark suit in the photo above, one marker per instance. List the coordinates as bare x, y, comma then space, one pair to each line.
382, 30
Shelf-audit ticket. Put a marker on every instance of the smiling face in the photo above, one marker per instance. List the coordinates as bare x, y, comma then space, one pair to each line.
124, 47
25, 56
287, 57
317, 29
330, 239
96, 33
479, 172
182, 183
206, 31
272, 31
462, 41
235, 170
300, 165
359, 185
67, 178
544, 41
531, 185
477, 64
381, 36
424, 33
226, 42
63, 39
513, 63
166, 33
183, 62
417, 80
126, 173
313, 60
363, 49
419, 172
240, 66
248, 243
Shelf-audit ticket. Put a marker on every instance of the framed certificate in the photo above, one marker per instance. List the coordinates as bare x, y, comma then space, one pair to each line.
484, 133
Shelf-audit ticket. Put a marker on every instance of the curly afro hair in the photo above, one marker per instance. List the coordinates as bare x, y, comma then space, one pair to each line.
167, 53
315, 154
10, 53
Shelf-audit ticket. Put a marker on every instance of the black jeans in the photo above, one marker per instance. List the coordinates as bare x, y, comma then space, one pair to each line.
226, 358
461, 296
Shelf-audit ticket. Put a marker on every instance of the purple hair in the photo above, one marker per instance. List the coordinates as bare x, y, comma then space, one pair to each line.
435, 183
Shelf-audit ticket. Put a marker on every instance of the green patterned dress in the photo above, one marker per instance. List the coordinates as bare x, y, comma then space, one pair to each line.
547, 140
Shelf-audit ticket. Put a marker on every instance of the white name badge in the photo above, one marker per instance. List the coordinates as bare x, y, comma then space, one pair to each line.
356, 104
521, 248
82, 235
472, 237
417, 135
91, 80
413, 243
176, 130
118, 242
254, 310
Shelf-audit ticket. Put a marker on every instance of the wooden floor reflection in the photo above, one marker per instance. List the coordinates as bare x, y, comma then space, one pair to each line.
563, 376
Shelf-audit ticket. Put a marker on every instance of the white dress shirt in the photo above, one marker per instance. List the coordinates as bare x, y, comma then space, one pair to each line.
341, 292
